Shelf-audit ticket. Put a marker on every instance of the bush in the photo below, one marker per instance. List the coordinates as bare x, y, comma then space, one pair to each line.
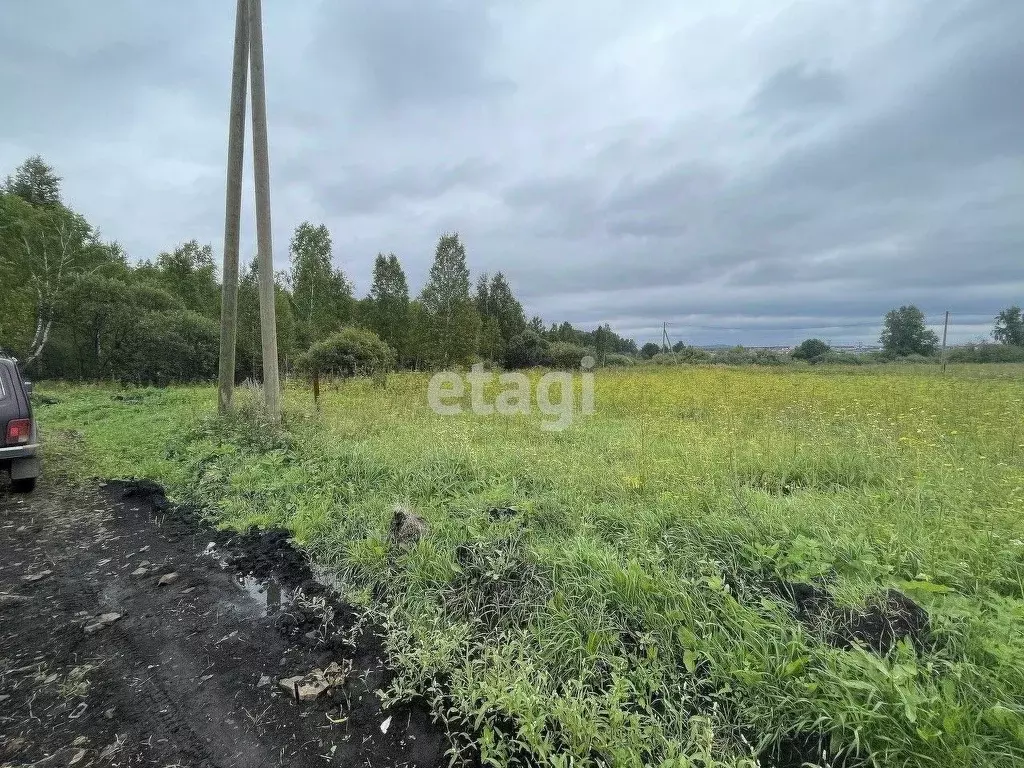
649, 350
693, 355
811, 350
767, 357
986, 353
665, 358
163, 348
526, 350
837, 358
867, 358
563, 354
612, 360
734, 356
683, 355
349, 352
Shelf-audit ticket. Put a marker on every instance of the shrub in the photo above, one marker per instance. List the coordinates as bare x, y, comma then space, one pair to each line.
867, 358
613, 359
986, 353
914, 357
684, 355
649, 350
349, 352
526, 350
665, 358
162, 348
832, 357
563, 354
811, 350
693, 355
767, 357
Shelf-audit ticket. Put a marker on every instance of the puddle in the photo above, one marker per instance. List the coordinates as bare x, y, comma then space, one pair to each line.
267, 592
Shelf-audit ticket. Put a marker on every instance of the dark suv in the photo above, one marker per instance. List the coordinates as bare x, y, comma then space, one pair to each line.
19, 444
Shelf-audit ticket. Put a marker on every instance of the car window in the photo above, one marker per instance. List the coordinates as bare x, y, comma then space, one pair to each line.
3, 392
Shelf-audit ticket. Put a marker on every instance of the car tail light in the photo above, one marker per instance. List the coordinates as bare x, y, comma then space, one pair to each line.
19, 431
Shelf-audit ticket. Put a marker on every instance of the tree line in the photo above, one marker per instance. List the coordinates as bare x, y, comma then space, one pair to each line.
905, 337
72, 306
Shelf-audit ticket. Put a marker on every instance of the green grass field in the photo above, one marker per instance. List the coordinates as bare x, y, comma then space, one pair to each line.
627, 610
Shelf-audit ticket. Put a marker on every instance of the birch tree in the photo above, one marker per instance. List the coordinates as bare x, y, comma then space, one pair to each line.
453, 319
44, 248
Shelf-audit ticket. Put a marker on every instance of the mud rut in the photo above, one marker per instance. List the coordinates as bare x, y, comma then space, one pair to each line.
188, 673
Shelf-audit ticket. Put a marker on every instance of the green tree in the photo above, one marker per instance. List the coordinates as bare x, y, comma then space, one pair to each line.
500, 312
649, 350
604, 341
16, 297
481, 298
491, 343
1009, 327
564, 332
288, 335
387, 306
526, 350
249, 346
810, 349
904, 333
453, 320
168, 347
249, 351
505, 308
35, 182
321, 294
190, 273
362, 312
419, 335
44, 248
97, 317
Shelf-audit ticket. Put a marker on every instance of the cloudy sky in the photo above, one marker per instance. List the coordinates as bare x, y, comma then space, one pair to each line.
753, 171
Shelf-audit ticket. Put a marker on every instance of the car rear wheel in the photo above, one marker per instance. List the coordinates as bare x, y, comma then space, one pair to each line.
25, 485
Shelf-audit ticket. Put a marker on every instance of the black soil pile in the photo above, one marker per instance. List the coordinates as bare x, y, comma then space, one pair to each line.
126, 641
885, 620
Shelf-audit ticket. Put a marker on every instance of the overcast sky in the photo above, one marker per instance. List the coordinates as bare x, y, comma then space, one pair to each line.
753, 172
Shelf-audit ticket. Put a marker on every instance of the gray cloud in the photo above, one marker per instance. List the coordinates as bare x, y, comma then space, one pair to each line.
799, 87
757, 173
407, 53
365, 189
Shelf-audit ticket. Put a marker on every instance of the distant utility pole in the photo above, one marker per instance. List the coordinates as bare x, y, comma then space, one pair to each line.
666, 342
233, 209
945, 328
264, 242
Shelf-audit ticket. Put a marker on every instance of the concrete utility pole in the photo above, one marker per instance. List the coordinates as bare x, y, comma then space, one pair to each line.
666, 342
233, 209
264, 244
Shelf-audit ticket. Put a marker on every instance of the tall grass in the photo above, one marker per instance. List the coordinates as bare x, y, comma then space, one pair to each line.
622, 613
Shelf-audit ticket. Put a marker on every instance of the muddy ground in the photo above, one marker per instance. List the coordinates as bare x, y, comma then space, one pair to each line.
127, 640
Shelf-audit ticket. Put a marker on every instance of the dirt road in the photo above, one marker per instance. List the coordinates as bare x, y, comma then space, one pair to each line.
127, 639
